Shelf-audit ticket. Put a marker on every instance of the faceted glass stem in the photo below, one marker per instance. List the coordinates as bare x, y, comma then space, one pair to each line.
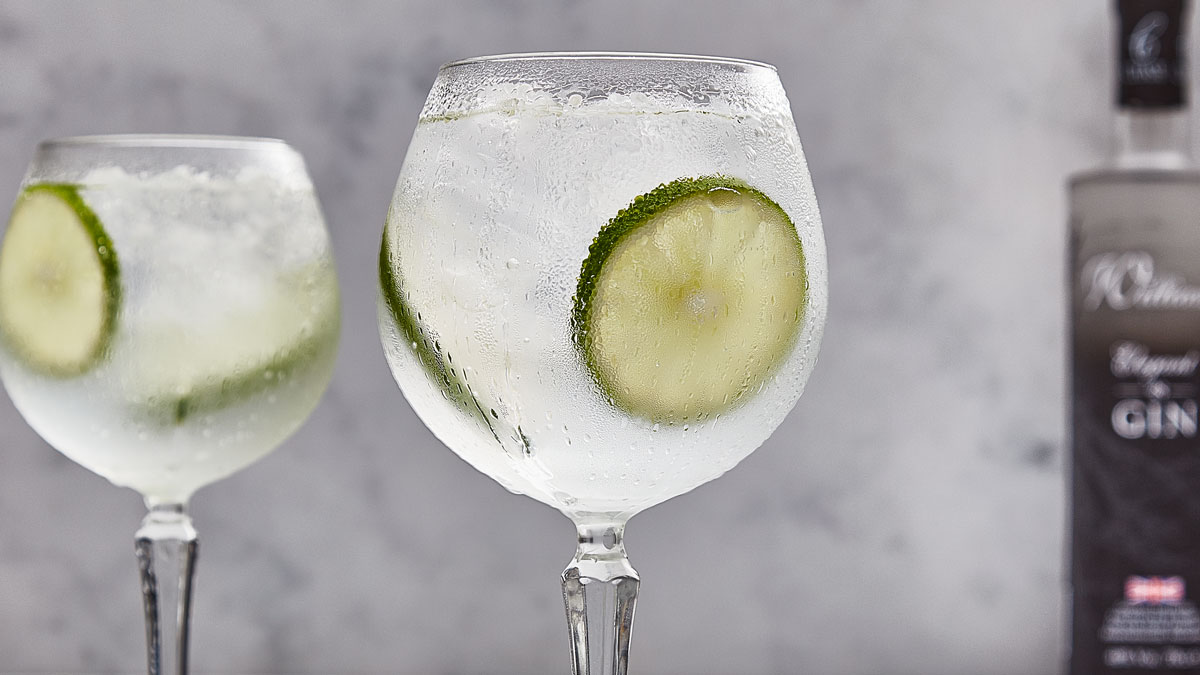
166, 555
600, 591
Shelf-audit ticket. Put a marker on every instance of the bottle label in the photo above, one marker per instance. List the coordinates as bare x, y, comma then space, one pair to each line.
1151, 57
1136, 466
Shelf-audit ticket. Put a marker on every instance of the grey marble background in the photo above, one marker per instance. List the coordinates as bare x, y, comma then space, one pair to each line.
906, 519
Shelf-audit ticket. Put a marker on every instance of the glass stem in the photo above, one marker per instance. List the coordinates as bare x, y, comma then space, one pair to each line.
600, 590
166, 553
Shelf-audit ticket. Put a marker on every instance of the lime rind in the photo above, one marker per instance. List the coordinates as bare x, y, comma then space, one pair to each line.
644, 210
110, 272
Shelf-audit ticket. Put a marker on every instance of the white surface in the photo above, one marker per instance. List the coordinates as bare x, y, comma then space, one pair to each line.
907, 517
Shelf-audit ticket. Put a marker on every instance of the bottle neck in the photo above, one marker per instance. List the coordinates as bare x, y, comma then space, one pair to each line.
1154, 138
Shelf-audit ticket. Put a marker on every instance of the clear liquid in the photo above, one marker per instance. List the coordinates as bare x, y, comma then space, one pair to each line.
491, 222
225, 337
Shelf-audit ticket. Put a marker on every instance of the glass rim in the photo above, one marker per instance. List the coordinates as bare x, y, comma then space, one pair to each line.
606, 56
196, 141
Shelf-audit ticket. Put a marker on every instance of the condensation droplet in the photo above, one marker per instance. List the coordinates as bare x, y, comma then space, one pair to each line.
725, 200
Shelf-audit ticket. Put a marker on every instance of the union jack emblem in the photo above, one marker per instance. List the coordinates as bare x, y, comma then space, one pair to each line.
1154, 590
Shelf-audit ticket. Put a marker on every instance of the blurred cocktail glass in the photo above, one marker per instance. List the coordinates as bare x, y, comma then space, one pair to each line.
169, 313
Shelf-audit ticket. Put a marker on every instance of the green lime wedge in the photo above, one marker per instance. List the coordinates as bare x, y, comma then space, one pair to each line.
184, 371
690, 298
60, 285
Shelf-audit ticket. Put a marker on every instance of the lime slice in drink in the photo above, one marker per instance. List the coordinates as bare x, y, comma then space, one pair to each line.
690, 298
59, 282
240, 350
438, 364
423, 342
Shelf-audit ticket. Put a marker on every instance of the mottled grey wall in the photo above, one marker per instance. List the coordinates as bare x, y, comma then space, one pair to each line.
906, 519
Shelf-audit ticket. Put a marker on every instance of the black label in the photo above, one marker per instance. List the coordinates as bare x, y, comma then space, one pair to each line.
1135, 544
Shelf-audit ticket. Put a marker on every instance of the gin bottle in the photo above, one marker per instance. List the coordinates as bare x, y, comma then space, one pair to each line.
1135, 369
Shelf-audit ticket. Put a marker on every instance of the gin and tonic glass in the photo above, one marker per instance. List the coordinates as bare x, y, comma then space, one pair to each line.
603, 283
169, 313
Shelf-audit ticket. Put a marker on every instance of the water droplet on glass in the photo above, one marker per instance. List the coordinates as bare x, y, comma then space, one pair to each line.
725, 199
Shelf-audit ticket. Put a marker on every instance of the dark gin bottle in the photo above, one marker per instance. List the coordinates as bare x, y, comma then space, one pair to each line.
1135, 370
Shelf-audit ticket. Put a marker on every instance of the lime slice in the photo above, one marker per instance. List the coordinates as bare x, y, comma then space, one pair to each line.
423, 341
690, 298
59, 282
451, 379
240, 351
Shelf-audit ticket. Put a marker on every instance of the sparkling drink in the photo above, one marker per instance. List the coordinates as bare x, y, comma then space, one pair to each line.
494, 253
225, 334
